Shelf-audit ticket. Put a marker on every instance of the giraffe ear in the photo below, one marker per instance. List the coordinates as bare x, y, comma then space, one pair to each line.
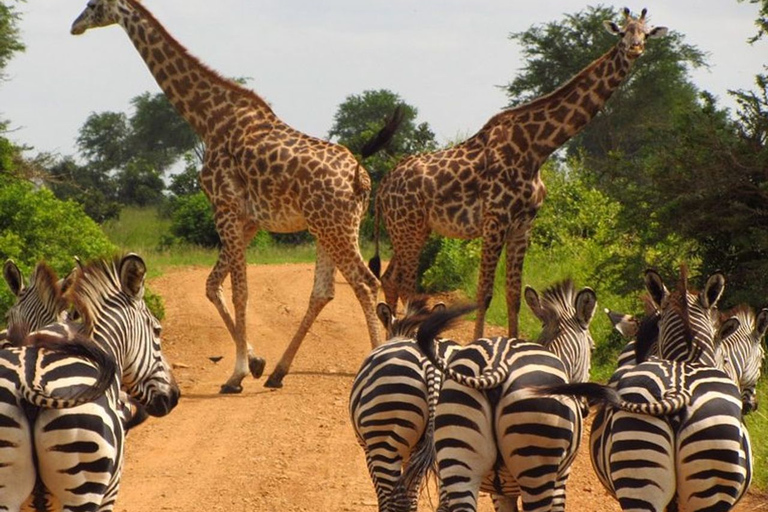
13, 277
657, 32
384, 313
532, 299
612, 27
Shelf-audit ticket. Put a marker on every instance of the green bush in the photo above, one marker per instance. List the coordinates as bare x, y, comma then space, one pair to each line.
192, 220
35, 226
455, 262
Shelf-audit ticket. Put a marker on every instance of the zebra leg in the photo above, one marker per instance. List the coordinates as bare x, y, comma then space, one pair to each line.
641, 462
79, 453
17, 470
465, 445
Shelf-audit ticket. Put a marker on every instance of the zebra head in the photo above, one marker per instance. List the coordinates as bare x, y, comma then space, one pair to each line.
565, 317
109, 297
740, 354
37, 305
416, 311
688, 319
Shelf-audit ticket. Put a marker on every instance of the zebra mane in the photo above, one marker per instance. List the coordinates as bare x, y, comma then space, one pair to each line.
416, 311
647, 335
47, 286
93, 284
678, 302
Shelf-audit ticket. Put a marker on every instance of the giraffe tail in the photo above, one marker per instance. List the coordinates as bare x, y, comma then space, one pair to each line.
385, 135
375, 263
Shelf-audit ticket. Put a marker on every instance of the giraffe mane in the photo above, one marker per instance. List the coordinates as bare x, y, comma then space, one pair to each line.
215, 76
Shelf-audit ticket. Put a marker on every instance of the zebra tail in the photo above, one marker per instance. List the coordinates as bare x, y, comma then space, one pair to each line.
423, 460
674, 400
440, 321
79, 347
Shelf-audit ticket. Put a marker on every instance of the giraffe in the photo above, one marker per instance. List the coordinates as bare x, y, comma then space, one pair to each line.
489, 186
258, 173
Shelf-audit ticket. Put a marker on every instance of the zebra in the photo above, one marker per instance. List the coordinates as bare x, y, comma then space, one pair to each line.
392, 404
75, 454
672, 435
740, 353
38, 304
42, 303
492, 433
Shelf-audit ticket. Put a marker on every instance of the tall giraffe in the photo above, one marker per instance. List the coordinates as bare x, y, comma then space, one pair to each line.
489, 186
258, 173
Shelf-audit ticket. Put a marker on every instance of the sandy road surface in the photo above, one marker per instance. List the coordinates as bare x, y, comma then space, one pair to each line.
287, 450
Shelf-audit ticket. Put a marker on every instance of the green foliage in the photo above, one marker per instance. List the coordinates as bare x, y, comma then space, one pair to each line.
36, 226
454, 262
87, 185
138, 229
10, 42
192, 220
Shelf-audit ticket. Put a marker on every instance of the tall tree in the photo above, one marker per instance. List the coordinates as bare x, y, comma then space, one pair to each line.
360, 116
658, 85
762, 19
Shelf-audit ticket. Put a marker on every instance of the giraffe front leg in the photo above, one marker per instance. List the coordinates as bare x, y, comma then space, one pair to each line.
493, 241
517, 244
231, 262
322, 294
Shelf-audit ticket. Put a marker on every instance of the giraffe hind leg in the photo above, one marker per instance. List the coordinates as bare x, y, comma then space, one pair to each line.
322, 294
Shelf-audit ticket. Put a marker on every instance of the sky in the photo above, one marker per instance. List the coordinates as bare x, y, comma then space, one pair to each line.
447, 58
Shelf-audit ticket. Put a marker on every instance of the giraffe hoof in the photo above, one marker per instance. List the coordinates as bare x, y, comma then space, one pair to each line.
229, 389
275, 380
256, 366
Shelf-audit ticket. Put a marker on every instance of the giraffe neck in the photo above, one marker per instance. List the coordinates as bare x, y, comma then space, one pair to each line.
200, 95
553, 119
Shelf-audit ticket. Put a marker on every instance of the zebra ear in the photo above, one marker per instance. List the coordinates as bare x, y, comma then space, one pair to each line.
586, 303
132, 272
626, 324
384, 312
655, 287
13, 277
727, 328
439, 306
532, 299
713, 290
761, 323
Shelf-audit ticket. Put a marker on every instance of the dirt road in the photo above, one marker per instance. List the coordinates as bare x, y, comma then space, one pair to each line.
290, 450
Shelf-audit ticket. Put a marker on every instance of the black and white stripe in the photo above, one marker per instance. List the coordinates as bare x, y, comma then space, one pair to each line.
694, 455
75, 454
491, 432
392, 404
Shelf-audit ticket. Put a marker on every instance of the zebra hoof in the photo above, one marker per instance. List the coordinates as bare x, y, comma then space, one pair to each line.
275, 380
256, 366
229, 389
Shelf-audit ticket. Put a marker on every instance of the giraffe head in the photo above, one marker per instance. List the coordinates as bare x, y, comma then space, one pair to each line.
634, 33
97, 13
